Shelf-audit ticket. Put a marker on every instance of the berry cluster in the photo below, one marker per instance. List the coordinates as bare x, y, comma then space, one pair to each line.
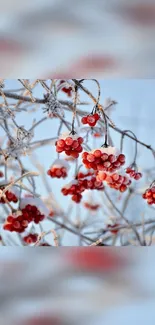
30, 239
10, 196
32, 213
91, 120
1, 174
16, 223
111, 228
77, 187
19, 223
71, 145
74, 189
59, 169
66, 90
133, 173
104, 159
115, 181
149, 195
92, 207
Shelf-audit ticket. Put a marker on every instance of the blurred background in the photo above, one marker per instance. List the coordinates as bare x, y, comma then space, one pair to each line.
105, 286
54, 38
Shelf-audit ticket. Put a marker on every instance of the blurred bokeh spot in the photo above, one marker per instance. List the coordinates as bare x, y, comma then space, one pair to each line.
90, 38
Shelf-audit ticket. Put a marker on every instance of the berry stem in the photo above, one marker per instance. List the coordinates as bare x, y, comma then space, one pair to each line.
136, 144
105, 145
99, 91
74, 111
152, 184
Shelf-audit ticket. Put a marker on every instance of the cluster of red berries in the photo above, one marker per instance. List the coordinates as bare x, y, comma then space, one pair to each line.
30, 239
102, 161
70, 145
1, 174
91, 120
89, 180
92, 207
77, 187
115, 181
16, 223
74, 189
57, 172
32, 213
10, 196
149, 195
59, 169
133, 173
20, 223
66, 90
111, 228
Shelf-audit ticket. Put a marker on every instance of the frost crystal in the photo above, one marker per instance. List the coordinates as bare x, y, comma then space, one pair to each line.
19, 144
6, 113
53, 106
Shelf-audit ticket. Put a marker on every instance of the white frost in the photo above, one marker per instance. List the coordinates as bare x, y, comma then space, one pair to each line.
36, 202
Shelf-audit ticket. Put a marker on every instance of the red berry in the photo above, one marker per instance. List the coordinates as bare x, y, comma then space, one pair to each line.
150, 201
115, 177
59, 149
16, 224
123, 188
92, 124
112, 158
91, 119
84, 155
96, 116
68, 153
121, 158
69, 141
138, 176
75, 144
10, 219
8, 227
84, 120
61, 143
128, 170
149, 193
79, 149
97, 153
74, 154
91, 158
109, 179
80, 140
104, 157
24, 223
107, 164
116, 165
